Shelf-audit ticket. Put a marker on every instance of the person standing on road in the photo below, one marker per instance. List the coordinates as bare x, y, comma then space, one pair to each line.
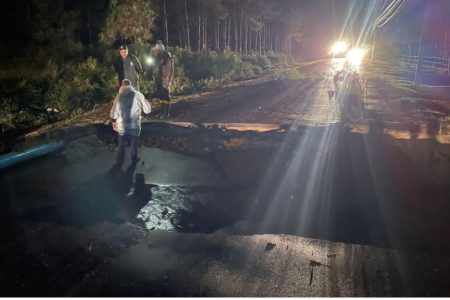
128, 67
126, 115
355, 105
164, 76
329, 88
337, 78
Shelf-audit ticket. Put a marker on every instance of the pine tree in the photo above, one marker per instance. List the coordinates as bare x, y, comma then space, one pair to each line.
128, 21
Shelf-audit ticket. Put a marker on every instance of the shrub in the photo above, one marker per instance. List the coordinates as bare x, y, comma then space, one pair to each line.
74, 87
198, 66
81, 86
71, 89
247, 71
292, 74
276, 59
271, 60
264, 62
251, 59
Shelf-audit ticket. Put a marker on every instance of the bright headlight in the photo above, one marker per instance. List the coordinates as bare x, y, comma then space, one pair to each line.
355, 57
339, 47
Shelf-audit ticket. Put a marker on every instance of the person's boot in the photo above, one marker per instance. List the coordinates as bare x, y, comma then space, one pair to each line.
119, 161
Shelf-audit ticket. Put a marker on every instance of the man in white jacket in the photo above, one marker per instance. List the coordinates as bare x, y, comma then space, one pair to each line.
126, 115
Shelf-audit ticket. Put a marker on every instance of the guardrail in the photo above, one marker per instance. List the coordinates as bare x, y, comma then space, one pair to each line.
436, 64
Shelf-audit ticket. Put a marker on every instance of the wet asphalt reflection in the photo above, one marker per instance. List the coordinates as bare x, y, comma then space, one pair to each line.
326, 183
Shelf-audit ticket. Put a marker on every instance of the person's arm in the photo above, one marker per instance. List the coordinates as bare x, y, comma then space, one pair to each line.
138, 65
146, 107
114, 114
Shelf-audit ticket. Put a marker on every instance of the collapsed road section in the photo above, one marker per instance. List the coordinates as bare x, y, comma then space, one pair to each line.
333, 183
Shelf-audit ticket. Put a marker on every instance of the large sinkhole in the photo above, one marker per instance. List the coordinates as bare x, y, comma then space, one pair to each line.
320, 182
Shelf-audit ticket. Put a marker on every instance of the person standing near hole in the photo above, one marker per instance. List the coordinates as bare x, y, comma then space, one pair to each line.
126, 114
128, 67
164, 77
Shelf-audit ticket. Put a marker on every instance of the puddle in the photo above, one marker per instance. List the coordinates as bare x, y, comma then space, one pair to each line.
192, 209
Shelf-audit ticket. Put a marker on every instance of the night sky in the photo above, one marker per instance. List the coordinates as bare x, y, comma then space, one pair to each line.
324, 21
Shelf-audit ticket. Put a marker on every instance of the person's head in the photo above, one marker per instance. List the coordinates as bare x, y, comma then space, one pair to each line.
159, 47
123, 50
126, 84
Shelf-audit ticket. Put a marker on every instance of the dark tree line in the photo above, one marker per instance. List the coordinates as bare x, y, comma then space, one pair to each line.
238, 25
62, 29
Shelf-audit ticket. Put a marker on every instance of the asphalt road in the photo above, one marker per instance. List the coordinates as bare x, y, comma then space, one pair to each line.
267, 100
327, 181
270, 99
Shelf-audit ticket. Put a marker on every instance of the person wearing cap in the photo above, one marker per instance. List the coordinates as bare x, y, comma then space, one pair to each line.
126, 112
128, 67
164, 76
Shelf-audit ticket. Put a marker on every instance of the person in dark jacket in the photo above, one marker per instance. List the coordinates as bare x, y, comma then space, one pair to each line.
128, 67
164, 76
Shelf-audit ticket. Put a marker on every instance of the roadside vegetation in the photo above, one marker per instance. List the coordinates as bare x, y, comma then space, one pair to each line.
64, 66
61, 91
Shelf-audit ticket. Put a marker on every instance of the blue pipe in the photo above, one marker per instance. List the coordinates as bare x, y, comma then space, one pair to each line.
12, 158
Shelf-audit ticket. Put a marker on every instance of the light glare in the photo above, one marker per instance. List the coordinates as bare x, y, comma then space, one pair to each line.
355, 57
339, 47
150, 61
